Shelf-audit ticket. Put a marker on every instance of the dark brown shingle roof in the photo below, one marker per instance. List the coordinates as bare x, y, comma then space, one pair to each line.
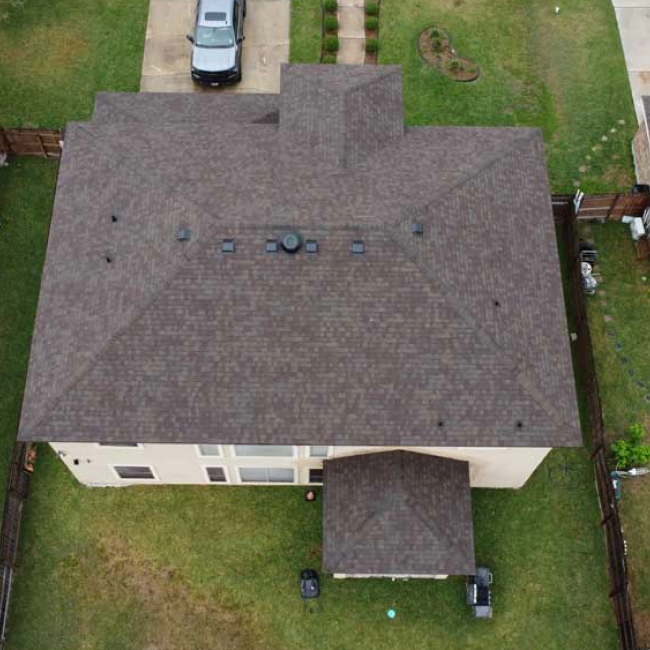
177, 342
397, 513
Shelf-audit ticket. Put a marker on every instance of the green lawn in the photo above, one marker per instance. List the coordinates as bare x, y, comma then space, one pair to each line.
564, 73
56, 54
305, 31
210, 567
26, 192
622, 350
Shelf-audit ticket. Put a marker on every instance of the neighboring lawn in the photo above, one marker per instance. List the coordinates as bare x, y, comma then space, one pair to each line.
56, 54
26, 193
217, 567
624, 296
305, 31
565, 74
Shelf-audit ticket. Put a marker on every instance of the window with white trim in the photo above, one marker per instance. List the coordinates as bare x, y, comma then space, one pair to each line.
216, 474
319, 451
209, 450
135, 472
266, 475
285, 451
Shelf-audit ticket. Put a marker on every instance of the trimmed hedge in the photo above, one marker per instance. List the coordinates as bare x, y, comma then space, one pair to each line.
329, 58
372, 9
331, 23
331, 6
372, 45
331, 44
372, 23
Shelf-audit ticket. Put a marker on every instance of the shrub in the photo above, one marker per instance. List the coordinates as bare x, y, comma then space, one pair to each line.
331, 6
7, 6
331, 23
372, 8
629, 452
329, 58
372, 24
331, 44
455, 66
372, 45
434, 33
436, 45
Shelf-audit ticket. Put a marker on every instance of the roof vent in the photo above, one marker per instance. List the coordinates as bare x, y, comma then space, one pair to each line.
114, 218
183, 234
109, 259
311, 246
228, 246
357, 247
520, 424
417, 228
291, 242
271, 246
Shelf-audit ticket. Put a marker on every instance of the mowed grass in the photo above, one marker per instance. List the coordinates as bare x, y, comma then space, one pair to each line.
217, 567
26, 192
305, 31
562, 73
56, 54
622, 351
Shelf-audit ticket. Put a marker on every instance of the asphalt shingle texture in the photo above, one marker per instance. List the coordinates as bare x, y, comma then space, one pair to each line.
454, 337
397, 513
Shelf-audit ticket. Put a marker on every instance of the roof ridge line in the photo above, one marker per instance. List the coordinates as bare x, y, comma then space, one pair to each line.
444, 195
464, 312
137, 314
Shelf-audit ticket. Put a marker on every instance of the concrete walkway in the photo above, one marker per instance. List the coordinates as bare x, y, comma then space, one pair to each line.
633, 18
352, 32
166, 64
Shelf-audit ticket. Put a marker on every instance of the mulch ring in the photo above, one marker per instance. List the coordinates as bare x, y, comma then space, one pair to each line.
436, 49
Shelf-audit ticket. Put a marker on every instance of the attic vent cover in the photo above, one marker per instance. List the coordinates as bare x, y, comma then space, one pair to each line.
417, 228
311, 246
183, 234
357, 247
228, 246
271, 246
291, 242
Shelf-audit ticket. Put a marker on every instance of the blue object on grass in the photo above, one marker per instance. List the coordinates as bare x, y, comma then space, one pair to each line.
391, 613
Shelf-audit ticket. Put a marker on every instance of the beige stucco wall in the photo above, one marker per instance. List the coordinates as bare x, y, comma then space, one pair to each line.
91, 464
641, 153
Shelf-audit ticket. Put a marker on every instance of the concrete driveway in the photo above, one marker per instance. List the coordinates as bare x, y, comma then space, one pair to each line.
633, 18
166, 64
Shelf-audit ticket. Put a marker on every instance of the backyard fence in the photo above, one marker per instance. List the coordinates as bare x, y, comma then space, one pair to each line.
605, 207
31, 142
563, 208
17, 490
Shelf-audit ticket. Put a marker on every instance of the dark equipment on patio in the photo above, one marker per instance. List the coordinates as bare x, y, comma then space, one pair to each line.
310, 590
478, 593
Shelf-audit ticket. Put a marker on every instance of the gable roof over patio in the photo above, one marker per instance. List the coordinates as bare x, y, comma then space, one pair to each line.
456, 336
397, 513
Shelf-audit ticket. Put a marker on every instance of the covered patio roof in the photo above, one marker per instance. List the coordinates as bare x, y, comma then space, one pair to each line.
397, 513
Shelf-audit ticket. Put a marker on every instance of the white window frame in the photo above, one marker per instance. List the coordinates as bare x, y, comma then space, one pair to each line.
117, 445
243, 482
197, 448
226, 472
155, 479
329, 451
294, 451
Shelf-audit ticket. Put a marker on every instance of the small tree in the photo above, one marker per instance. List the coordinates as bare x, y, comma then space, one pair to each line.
331, 44
628, 451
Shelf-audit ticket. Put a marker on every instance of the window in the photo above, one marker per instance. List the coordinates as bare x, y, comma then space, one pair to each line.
216, 474
265, 475
319, 452
131, 472
264, 450
209, 450
316, 475
119, 444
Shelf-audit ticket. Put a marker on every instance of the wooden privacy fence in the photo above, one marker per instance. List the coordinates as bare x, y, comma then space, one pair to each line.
608, 206
618, 578
31, 142
17, 490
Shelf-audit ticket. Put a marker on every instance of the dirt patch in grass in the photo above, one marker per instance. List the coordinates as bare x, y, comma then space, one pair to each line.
174, 615
436, 49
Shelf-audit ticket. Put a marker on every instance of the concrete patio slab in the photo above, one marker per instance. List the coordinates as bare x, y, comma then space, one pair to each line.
166, 64
633, 17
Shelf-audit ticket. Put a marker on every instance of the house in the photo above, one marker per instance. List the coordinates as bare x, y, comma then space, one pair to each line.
641, 146
296, 289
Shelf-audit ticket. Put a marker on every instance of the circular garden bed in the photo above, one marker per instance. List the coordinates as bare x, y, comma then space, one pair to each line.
436, 49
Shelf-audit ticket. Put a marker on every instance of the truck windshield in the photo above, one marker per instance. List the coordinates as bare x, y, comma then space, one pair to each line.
215, 37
